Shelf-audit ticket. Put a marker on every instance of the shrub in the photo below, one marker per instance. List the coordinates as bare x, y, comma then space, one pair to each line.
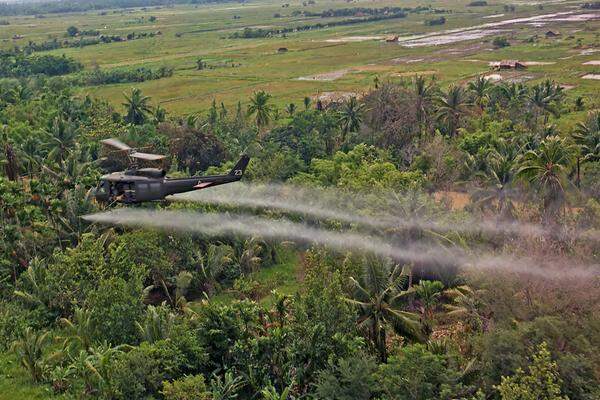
187, 388
115, 306
500, 42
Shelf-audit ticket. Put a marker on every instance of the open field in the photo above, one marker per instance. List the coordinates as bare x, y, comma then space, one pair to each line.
342, 59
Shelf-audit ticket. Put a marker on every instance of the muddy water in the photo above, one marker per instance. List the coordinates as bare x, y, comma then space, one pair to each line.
482, 30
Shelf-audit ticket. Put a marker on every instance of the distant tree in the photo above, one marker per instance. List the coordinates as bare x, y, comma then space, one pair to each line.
587, 137
200, 64
72, 31
261, 109
137, 107
425, 92
541, 382
290, 109
547, 169
307, 102
479, 90
350, 116
500, 42
452, 105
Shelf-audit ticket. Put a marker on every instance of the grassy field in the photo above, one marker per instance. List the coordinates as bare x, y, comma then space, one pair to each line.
15, 383
189, 33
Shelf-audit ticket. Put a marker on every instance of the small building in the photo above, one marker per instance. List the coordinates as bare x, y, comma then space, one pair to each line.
508, 64
552, 34
392, 39
282, 50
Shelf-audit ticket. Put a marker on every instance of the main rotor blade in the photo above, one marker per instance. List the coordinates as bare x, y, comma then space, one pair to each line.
117, 144
147, 156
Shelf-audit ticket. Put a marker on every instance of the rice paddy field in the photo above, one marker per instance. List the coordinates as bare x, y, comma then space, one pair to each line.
327, 62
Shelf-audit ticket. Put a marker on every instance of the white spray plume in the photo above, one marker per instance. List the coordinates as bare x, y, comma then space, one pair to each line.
326, 203
220, 224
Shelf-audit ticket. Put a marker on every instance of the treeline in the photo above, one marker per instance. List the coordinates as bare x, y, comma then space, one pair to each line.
118, 75
100, 313
55, 43
15, 64
252, 33
66, 6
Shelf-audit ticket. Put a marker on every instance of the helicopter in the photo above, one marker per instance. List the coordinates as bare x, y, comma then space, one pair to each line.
137, 185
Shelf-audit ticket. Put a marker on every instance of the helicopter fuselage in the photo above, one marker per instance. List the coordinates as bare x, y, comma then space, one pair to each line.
151, 184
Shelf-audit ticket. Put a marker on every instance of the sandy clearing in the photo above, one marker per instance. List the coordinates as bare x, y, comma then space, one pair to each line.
328, 97
530, 63
350, 39
593, 62
493, 16
588, 52
568, 87
327, 76
493, 77
591, 76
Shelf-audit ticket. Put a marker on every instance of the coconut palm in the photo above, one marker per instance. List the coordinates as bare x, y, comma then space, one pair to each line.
29, 348
587, 137
466, 304
137, 107
61, 135
547, 169
452, 105
350, 116
498, 179
425, 93
380, 295
261, 109
479, 90
543, 99
429, 293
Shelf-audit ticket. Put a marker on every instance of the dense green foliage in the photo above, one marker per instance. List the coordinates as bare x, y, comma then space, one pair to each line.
114, 313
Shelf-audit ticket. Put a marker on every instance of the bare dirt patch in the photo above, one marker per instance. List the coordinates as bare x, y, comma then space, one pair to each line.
350, 39
591, 76
592, 62
327, 76
335, 97
493, 77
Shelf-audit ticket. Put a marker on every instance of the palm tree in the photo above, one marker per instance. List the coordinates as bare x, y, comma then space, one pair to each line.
214, 260
307, 102
11, 167
466, 304
543, 99
547, 168
29, 348
291, 109
587, 137
61, 136
137, 106
260, 108
429, 293
350, 116
424, 95
379, 295
498, 180
452, 105
479, 90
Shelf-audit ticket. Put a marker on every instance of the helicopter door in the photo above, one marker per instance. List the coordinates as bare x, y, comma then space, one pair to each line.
125, 192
